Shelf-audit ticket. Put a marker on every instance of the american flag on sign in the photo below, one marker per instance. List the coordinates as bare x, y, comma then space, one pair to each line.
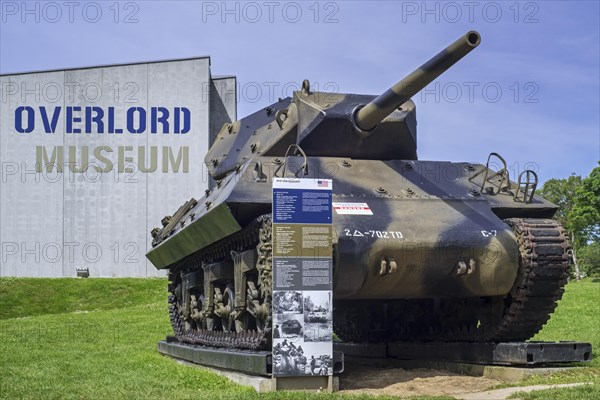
321, 183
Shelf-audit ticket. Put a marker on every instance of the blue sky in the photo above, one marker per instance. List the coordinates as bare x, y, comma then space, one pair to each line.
531, 91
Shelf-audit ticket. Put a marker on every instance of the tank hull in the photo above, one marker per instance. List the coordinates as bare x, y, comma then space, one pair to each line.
414, 249
427, 235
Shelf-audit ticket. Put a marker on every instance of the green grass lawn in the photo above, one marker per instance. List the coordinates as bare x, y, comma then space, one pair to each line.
576, 318
96, 339
41, 296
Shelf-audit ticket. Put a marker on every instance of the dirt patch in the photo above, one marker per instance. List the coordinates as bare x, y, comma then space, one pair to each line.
406, 383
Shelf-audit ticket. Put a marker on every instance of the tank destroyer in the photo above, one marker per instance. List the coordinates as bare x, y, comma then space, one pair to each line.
448, 251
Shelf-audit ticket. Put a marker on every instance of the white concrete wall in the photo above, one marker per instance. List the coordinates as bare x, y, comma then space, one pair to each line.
223, 103
50, 222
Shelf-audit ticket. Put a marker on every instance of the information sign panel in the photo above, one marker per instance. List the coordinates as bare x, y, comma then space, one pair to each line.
302, 277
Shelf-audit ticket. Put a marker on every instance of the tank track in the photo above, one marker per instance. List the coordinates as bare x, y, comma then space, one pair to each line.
543, 270
544, 263
253, 235
544, 267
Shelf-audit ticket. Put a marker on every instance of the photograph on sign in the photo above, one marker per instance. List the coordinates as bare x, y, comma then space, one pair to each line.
318, 317
319, 358
287, 302
288, 358
288, 326
297, 358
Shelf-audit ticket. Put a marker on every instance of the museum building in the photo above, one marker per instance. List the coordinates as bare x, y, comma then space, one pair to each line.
93, 158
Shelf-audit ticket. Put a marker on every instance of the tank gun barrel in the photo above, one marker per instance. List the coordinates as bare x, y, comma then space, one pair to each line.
370, 115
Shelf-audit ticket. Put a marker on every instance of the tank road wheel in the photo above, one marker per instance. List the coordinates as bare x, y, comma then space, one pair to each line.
196, 310
259, 308
198, 305
210, 323
253, 306
225, 308
543, 269
263, 317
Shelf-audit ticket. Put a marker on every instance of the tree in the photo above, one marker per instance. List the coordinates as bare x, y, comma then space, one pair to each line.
562, 193
579, 209
584, 216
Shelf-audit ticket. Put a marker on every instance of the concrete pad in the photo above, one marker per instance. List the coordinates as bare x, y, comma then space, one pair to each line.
263, 384
259, 383
502, 394
320, 384
514, 374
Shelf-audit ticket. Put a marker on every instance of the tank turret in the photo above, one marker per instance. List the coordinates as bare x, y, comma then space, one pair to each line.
380, 127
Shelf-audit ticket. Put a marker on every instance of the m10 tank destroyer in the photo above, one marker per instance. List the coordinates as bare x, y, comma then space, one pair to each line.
448, 251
